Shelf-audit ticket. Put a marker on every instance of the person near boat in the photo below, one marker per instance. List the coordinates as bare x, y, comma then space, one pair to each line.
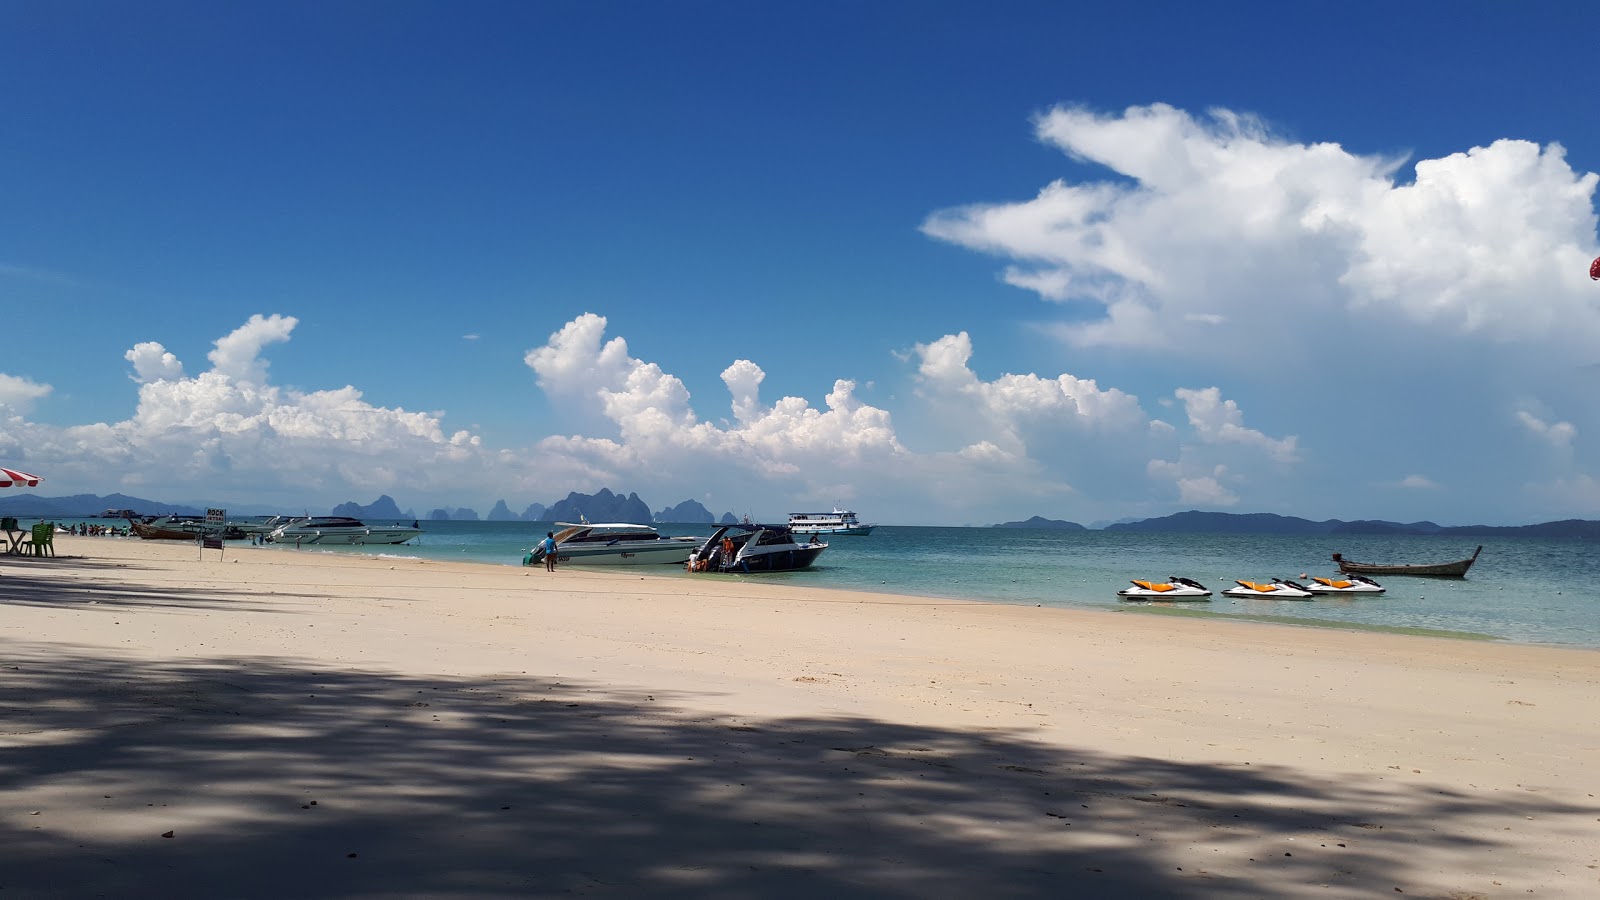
548, 547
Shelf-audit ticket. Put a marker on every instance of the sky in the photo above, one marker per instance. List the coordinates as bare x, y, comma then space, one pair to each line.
939, 263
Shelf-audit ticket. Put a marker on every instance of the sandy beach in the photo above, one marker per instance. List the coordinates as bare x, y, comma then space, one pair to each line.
277, 723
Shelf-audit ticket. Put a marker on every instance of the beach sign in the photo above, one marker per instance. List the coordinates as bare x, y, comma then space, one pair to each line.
215, 518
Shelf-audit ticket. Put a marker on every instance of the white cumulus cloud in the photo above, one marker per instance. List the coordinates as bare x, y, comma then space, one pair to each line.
1218, 220
19, 394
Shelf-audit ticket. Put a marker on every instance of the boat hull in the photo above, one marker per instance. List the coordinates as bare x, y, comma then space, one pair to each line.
378, 536
155, 533
1277, 589
1353, 585
840, 521
1173, 589
1457, 569
189, 532
778, 560
1247, 594
1165, 597
668, 552
855, 530
754, 548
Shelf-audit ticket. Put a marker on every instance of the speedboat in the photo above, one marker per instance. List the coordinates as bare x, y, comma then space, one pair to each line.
1276, 589
840, 521
1345, 584
182, 528
1174, 588
615, 544
339, 530
749, 547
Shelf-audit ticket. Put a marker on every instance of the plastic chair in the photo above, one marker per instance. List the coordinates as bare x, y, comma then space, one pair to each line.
44, 539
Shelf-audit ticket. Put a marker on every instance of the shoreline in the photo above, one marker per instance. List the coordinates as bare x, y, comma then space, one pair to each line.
1214, 610
501, 731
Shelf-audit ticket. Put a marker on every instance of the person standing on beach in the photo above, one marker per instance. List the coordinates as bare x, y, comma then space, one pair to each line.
548, 545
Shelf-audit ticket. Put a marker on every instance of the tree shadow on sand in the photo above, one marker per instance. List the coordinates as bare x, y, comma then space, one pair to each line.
114, 583
276, 779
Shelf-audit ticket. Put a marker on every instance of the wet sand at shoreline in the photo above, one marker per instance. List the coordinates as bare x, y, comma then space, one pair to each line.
320, 724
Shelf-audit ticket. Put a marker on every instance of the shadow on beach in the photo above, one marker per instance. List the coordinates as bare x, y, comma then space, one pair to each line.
280, 779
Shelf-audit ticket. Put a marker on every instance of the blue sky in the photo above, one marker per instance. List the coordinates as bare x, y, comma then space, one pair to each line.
941, 263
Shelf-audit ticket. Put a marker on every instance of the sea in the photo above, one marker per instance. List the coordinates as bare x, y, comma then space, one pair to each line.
1521, 590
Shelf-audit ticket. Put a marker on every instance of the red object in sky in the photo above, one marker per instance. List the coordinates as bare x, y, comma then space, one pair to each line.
1594, 269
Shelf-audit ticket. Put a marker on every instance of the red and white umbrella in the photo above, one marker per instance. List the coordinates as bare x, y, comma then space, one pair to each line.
13, 478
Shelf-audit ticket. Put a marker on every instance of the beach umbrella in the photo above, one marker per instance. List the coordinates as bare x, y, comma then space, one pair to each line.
13, 478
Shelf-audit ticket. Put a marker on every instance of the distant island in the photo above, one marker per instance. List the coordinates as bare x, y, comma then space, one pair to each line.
604, 506
1041, 522
1196, 522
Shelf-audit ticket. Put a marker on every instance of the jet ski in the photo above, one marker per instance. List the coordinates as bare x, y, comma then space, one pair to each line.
1276, 589
1174, 588
1344, 584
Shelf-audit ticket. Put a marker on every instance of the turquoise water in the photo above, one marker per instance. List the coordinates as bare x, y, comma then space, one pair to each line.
1525, 590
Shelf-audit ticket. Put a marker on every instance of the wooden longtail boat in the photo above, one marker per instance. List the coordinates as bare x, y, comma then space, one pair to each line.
1455, 569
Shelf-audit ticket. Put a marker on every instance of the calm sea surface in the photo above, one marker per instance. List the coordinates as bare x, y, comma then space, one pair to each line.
1523, 590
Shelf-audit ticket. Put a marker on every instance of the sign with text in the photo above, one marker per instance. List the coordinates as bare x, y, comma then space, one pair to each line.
212, 539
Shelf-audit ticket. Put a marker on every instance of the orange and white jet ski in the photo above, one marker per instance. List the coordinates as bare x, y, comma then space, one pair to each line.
1174, 588
1344, 584
1276, 589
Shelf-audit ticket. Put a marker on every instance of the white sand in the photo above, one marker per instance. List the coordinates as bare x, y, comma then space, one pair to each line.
311, 724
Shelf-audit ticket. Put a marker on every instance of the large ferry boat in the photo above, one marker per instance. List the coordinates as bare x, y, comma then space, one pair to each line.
840, 521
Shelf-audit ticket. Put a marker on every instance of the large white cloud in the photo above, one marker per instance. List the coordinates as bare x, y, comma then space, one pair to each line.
226, 432
1220, 264
1218, 220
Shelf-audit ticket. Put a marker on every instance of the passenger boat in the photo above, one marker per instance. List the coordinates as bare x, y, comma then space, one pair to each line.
1351, 584
1276, 589
339, 530
1457, 569
749, 547
615, 544
1174, 588
180, 528
840, 521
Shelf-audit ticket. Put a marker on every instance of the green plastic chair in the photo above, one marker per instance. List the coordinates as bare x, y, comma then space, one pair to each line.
44, 539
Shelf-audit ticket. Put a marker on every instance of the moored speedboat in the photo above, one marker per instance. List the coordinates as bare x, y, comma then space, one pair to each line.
615, 544
1174, 588
339, 530
1347, 584
748, 547
1276, 589
181, 528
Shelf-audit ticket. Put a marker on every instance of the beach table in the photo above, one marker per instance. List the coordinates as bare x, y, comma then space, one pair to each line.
13, 535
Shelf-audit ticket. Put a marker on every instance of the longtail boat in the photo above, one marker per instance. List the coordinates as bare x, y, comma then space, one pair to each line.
1457, 569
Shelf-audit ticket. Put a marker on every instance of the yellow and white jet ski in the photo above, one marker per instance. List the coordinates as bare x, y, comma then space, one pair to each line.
1344, 584
1174, 588
1276, 589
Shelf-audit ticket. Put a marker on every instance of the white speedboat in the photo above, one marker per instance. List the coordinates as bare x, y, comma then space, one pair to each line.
1174, 588
840, 521
1344, 584
1276, 589
748, 547
615, 544
339, 530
